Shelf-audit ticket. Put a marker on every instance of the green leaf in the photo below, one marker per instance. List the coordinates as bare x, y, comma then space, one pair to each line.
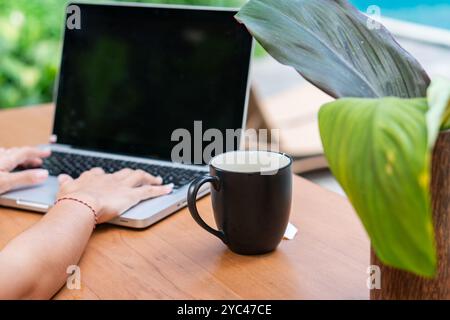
330, 44
378, 151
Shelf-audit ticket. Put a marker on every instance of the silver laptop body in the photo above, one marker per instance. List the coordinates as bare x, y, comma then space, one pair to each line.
41, 198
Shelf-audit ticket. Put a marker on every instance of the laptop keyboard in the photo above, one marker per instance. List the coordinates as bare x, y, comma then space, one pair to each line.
75, 164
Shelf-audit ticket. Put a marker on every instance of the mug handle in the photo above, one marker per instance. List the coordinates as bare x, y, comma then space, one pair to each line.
192, 203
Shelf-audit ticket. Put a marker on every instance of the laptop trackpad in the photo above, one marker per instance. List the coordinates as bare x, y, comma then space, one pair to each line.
43, 194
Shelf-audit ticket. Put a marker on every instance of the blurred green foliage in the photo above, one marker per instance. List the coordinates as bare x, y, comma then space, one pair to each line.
30, 44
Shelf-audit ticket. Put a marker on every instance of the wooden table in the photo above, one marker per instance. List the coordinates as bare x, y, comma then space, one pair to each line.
176, 259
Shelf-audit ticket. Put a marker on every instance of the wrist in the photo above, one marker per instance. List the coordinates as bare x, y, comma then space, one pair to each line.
86, 198
89, 201
75, 205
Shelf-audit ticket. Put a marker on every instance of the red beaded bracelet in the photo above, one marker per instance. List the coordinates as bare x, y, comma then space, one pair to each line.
83, 203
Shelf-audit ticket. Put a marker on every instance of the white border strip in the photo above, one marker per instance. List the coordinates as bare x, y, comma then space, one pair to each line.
419, 32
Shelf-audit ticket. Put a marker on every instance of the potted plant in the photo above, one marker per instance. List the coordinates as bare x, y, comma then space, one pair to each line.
378, 136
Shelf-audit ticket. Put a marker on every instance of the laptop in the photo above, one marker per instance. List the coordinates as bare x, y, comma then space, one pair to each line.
131, 75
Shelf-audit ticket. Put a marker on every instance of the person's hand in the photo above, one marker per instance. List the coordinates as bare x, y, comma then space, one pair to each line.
112, 194
26, 157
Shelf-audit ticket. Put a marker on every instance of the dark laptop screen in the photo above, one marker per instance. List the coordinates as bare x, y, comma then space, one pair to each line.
130, 76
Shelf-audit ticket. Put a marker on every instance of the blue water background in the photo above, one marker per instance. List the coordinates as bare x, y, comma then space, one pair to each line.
434, 13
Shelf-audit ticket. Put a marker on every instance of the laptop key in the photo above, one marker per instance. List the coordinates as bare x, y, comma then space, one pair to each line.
74, 165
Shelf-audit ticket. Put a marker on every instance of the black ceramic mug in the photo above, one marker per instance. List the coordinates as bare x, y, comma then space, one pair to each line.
251, 196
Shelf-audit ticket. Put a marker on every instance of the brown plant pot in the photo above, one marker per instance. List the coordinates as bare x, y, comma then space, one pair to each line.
397, 284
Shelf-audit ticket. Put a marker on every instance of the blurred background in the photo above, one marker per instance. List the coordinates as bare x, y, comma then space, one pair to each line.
30, 39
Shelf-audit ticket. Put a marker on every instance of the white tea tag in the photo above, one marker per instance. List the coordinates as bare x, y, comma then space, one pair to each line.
290, 233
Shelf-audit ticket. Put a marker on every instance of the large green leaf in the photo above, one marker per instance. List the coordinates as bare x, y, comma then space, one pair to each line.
330, 44
380, 152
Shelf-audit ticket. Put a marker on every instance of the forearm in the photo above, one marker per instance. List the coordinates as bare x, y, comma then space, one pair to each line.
34, 264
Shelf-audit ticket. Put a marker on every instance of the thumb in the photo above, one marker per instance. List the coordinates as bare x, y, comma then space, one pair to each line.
24, 178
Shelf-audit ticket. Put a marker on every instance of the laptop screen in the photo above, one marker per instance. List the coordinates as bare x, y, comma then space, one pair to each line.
130, 76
